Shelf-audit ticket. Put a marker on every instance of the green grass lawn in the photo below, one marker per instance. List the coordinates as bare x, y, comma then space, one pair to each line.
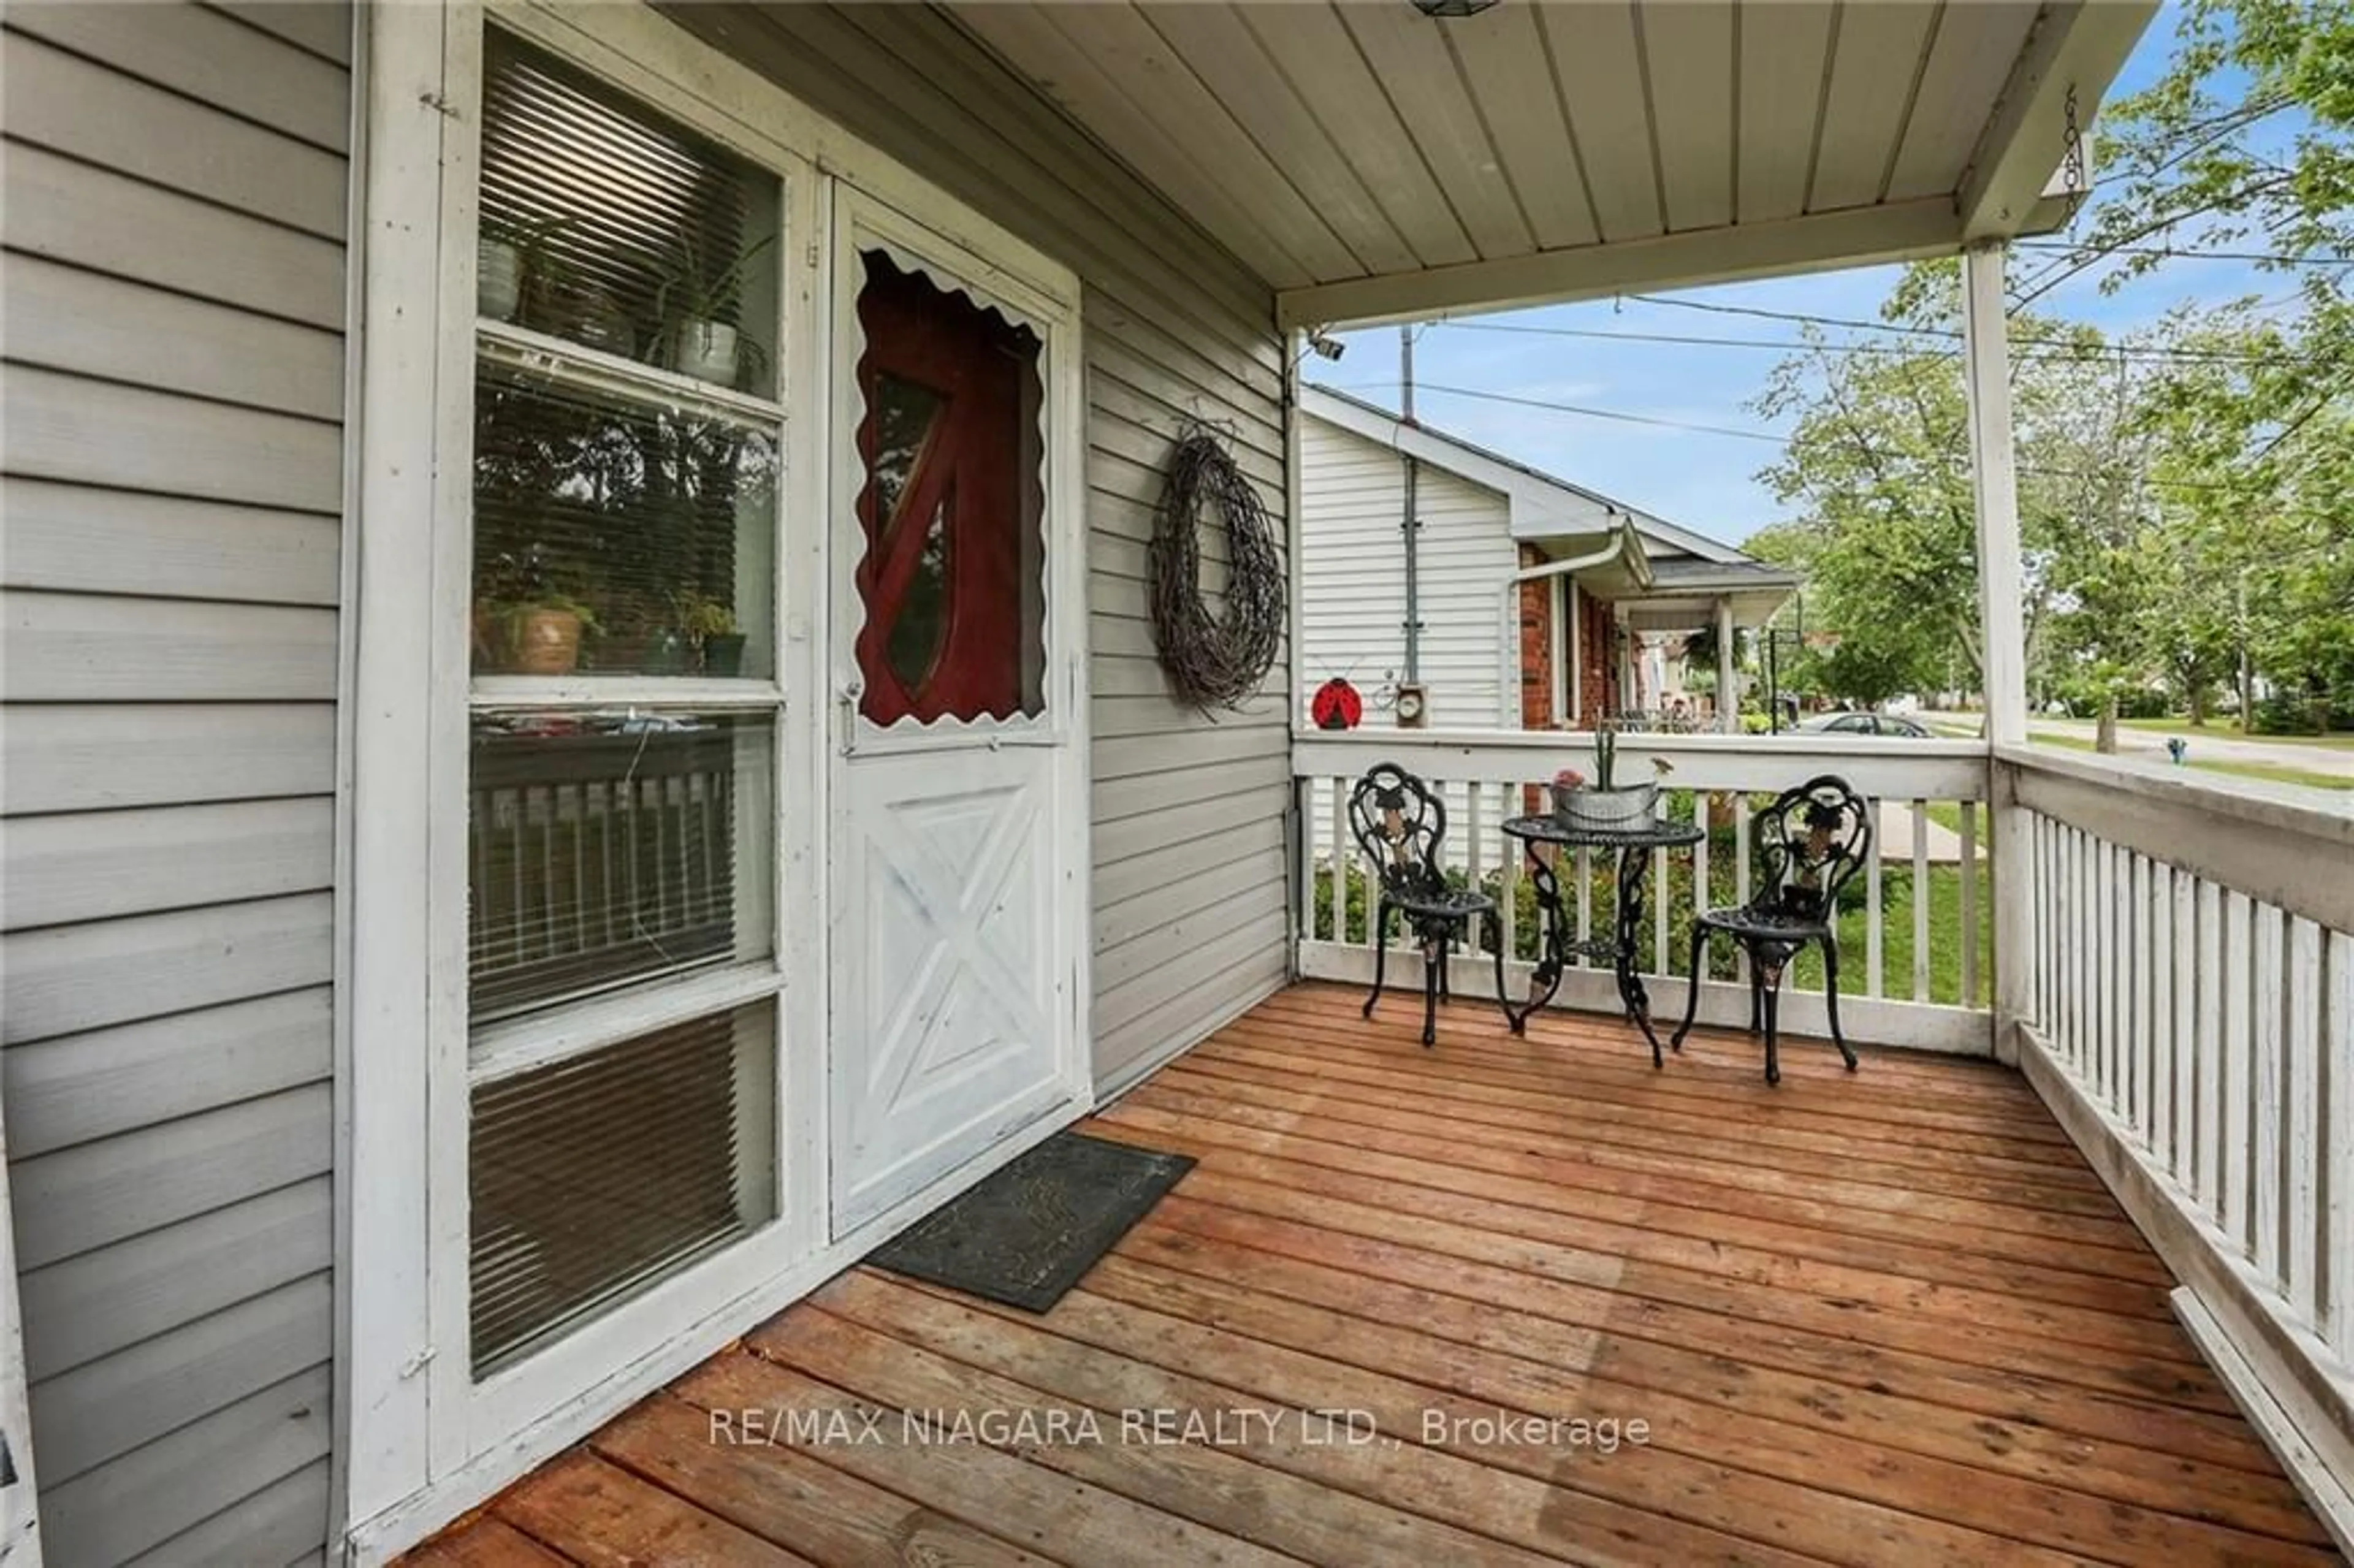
2229, 729
1897, 893
2268, 771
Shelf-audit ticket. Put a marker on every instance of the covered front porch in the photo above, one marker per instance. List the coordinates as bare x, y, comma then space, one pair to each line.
1582, 1310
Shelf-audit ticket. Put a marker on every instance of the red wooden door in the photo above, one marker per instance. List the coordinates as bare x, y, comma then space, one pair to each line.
950, 506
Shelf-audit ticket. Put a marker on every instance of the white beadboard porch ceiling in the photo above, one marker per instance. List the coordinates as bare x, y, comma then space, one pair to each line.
1374, 163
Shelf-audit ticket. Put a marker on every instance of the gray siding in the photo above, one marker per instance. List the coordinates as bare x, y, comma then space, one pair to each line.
170, 478
1189, 868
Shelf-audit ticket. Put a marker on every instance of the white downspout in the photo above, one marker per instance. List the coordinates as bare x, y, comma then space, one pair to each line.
1507, 646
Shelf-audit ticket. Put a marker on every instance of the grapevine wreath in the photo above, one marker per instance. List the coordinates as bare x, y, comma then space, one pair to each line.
1214, 661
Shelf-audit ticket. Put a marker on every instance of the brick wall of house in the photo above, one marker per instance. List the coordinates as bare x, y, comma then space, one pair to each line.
1597, 665
1536, 647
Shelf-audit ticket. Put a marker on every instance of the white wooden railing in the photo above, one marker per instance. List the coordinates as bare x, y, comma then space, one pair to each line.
1914, 971
2188, 1012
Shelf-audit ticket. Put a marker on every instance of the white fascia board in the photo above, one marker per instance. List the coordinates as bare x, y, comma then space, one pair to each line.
2005, 191
1853, 237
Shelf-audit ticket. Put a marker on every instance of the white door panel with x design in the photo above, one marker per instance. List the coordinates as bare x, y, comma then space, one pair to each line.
957, 876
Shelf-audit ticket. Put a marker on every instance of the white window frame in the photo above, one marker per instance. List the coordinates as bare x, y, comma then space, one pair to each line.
420, 1440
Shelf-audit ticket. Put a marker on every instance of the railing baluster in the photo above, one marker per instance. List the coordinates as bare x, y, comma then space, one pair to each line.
2208, 1163
2135, 933
2079, 953
2301, 1079
2337, 1263
2040, 942
1740, 875
1700, 799
2239, 943
1659, 899
1474, 846
1508, 882
1584, 897
1921, 900
2105, 949
1871, 912
2059, 1018
1339, 834
2160, 947
2269, 1087
1307, 867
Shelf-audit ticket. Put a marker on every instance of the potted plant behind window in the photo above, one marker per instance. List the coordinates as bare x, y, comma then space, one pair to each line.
1604, 805
696, 311
512, 263
527, 624
711, 627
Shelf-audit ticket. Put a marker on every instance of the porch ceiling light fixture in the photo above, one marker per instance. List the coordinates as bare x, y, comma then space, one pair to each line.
1447, 10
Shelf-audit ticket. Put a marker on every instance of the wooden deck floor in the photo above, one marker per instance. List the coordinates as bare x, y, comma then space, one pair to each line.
1882, 1319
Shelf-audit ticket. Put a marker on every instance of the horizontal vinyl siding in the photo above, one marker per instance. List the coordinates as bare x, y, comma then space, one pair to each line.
1353, 589
1187, 810
1352, 559
171, 474
1352, 574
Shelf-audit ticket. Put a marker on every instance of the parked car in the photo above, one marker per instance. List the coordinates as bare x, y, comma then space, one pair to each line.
1865, 724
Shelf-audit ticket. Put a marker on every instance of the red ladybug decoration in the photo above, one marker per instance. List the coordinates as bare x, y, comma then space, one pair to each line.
1336, 706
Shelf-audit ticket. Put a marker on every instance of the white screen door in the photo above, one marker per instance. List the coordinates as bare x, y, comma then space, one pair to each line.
956, 890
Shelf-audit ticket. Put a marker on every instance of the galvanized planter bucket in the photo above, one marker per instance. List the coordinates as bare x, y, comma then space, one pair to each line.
1607, 810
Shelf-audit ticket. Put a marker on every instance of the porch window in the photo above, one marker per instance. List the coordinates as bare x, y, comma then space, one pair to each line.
621, 918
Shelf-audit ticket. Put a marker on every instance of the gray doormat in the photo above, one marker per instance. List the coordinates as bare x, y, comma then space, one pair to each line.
1027, 1233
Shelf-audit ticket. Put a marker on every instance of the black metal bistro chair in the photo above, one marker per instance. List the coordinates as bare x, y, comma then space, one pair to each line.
1810, 841
1400, 824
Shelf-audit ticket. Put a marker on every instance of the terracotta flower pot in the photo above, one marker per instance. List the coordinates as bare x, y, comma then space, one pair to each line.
547, 642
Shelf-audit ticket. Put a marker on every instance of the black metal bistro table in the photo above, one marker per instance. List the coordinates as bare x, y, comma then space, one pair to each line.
1557, 946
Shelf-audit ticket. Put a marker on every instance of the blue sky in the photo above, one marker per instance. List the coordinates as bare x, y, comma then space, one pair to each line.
1706, 482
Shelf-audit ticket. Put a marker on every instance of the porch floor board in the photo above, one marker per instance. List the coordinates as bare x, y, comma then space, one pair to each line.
1887, 1317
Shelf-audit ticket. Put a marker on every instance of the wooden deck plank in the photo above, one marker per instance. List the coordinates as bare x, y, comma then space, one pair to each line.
1970, 1154
1913, 1079
1570, 1086
1220, 1489
1662, 1266
2238, 1486
1528, 1170
1153, 1313
1461, 1228
603, 1517
1611, 1141
1048, 1511
2037, 1396
485, 1543
1447, 1510
1885, 1316
777, 1491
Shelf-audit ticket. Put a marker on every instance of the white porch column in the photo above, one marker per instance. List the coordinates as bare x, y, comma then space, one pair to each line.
1995, 479
2002, 619
1728, 700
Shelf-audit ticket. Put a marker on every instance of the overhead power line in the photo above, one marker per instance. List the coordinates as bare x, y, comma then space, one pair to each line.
1950, 334
1770, 436
2072, 353
2169, 253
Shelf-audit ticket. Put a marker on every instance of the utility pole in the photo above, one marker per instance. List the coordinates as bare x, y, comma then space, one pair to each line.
1409, 522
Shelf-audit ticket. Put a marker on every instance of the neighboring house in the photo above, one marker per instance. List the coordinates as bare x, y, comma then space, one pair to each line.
583, 741
1535, 603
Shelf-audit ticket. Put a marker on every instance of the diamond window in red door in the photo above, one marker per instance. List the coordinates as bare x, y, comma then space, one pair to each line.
951, 509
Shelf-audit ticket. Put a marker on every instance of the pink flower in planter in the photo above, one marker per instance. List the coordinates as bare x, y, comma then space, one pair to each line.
1569, 778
